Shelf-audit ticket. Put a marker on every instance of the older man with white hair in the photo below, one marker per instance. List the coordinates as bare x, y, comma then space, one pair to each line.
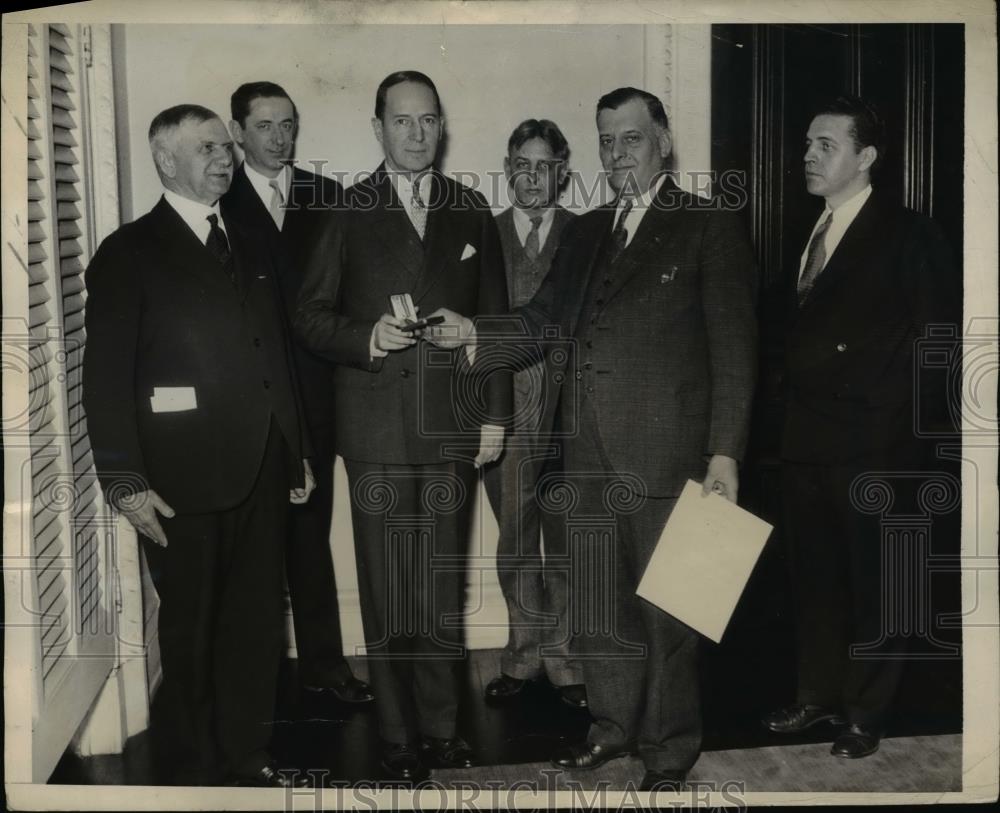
195, 423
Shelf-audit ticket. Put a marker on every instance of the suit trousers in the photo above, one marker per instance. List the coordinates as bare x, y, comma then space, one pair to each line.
220, 582
836, 559
534, 583
411, 533
311, 583
640, 664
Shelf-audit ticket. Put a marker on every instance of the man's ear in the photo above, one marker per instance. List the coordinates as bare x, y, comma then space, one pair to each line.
236, 131
377, 128
507, 171
164, 161
869, 155
666, 143
562, 174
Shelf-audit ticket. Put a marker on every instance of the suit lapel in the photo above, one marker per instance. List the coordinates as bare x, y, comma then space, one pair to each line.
437, 237
862, 239
182, 251
648, 240
390, 227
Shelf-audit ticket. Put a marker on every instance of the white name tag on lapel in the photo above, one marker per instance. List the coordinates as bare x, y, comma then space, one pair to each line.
173, 399
469, 251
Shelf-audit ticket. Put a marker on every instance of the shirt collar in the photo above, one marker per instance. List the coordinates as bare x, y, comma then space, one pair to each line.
404, 185
522, 217
642, 201
262, 184
194, 213
848, 210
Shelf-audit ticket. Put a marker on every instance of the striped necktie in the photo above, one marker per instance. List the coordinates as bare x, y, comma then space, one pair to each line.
815, 259
418, 210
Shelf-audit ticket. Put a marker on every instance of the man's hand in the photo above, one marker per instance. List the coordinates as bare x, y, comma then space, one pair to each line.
388, 335
722, 478
140, 510
301, 495
490, 444
456, 330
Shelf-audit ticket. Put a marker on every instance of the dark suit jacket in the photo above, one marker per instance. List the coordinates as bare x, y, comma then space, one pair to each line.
161, 312
313, 199
849, 358
401, 408
673, 347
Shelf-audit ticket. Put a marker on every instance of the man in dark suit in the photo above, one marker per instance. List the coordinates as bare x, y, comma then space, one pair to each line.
656, 291
872, 276
290, 205
193, 414
536, 167
409, 412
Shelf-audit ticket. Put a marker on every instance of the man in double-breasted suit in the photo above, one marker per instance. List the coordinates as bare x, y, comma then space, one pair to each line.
534, 587
410, 413
656, 291
195, 422
873, 275
290, 205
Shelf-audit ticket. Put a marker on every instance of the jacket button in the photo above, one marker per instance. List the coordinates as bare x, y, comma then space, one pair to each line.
267, 384
579, 375
590, 344
599, 302
558, 378
587, 365
404, 373
256, 342
841, 347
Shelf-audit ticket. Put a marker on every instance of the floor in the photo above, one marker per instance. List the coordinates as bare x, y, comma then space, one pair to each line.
922, 751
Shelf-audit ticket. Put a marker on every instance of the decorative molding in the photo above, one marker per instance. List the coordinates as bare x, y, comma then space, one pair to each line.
918, 136
103, 153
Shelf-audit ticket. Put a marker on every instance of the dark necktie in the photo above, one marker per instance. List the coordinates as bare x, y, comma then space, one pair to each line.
532, 246
619, 234
218, 245
815, 259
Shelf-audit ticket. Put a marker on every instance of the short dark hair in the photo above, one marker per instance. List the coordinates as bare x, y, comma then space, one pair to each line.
173, 116
616, 98
867, 126
544, 129
245, 94
397, 78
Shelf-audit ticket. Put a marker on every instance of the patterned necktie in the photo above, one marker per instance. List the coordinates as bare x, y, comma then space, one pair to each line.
619, 234
418, 211
276, 204
532, 246
219, 246
815, 259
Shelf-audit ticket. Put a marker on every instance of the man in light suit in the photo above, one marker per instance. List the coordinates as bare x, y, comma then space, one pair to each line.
290, 205
410, 413
873, 275
536, 166
656, 291
196, 426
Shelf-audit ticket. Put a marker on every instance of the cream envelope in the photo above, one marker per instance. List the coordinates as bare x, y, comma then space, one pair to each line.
173, 399
469, 251
703, 560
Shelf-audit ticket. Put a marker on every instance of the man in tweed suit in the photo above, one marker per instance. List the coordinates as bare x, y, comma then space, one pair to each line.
536, 169
656, 291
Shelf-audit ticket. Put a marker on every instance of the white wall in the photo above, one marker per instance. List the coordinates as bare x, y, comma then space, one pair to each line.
489, 77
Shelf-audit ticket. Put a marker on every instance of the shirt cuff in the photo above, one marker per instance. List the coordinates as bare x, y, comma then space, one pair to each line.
373, 351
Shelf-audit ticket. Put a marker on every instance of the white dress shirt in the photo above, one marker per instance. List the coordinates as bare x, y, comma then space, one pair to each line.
195, 214
639, 206
262, 184
843, 217
522, 224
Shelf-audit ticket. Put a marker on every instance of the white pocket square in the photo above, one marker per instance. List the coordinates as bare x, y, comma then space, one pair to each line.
173, 399
469, 251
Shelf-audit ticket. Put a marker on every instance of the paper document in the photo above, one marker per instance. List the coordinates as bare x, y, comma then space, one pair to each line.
173, 399
703, 560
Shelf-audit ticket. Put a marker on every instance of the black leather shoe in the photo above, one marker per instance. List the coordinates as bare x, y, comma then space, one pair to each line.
666, 781
504, 687
584, 756
351, 690
271, 776
855, 741
793, 719
401, 761
574, 695
451, 752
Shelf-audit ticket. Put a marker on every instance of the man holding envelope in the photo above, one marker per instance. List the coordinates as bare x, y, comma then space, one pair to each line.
657, 293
